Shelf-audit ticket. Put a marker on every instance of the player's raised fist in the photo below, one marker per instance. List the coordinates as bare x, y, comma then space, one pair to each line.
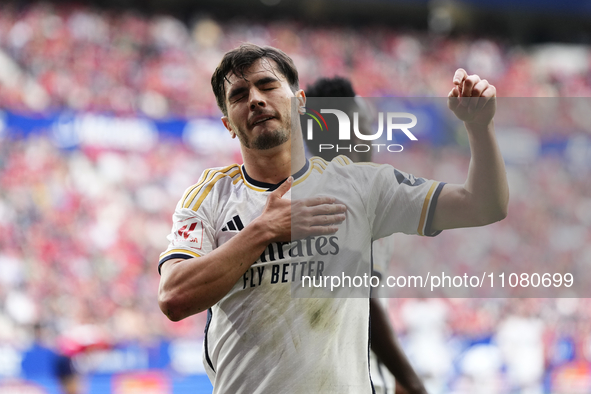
472, 99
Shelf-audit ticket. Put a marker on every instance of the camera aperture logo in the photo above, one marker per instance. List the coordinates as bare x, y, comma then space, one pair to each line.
392, 124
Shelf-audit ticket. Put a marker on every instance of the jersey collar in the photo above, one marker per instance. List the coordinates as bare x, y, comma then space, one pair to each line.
272, 186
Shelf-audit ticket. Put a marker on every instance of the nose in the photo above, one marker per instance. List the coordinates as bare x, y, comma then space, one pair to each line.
256, 99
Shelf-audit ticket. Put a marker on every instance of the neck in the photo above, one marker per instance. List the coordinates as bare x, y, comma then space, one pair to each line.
274, 165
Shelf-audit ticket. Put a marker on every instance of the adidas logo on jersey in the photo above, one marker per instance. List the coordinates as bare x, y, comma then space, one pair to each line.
234, 224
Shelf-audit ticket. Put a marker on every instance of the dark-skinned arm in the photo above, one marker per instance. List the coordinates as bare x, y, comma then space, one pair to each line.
386, 346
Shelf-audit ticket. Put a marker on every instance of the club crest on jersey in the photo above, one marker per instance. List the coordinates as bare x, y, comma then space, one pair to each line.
408, 179
190, 233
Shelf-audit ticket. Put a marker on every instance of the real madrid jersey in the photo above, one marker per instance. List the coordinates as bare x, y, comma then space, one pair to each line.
264, 337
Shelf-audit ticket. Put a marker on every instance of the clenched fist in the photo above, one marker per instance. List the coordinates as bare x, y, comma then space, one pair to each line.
472, 100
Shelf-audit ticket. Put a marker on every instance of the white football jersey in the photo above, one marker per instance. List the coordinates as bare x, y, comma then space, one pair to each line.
261, 338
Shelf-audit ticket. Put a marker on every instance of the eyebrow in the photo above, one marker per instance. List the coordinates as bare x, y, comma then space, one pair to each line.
263, 81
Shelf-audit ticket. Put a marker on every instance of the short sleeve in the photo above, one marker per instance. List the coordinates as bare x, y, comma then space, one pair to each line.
192, 234
401, 202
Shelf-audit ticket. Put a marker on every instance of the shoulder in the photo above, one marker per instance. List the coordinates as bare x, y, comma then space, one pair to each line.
218, 177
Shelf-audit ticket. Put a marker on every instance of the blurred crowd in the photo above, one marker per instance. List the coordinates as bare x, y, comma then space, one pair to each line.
55, 57
82, 229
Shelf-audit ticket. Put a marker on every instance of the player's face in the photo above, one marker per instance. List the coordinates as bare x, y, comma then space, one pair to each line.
259, 106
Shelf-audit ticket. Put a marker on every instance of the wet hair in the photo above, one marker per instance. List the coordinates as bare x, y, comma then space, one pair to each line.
238, 60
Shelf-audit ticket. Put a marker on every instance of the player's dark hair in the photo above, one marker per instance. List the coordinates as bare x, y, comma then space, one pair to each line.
238, 60
330, 87
338, 93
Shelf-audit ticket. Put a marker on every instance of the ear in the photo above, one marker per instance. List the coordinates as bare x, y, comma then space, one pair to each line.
301, 100
228, 126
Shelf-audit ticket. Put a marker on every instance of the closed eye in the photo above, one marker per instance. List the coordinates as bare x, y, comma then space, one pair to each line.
267, 83
237, 94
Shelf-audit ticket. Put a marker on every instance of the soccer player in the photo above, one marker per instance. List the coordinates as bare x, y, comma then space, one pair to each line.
386, 351
238, 240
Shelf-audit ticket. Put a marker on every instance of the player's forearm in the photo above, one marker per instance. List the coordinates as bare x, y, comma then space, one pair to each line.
407, 377
483, 198
191, 286
487, 178
386, 347
397, 363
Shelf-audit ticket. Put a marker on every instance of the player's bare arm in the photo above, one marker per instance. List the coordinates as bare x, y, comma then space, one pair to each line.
386, 346
483, 198
190, 286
